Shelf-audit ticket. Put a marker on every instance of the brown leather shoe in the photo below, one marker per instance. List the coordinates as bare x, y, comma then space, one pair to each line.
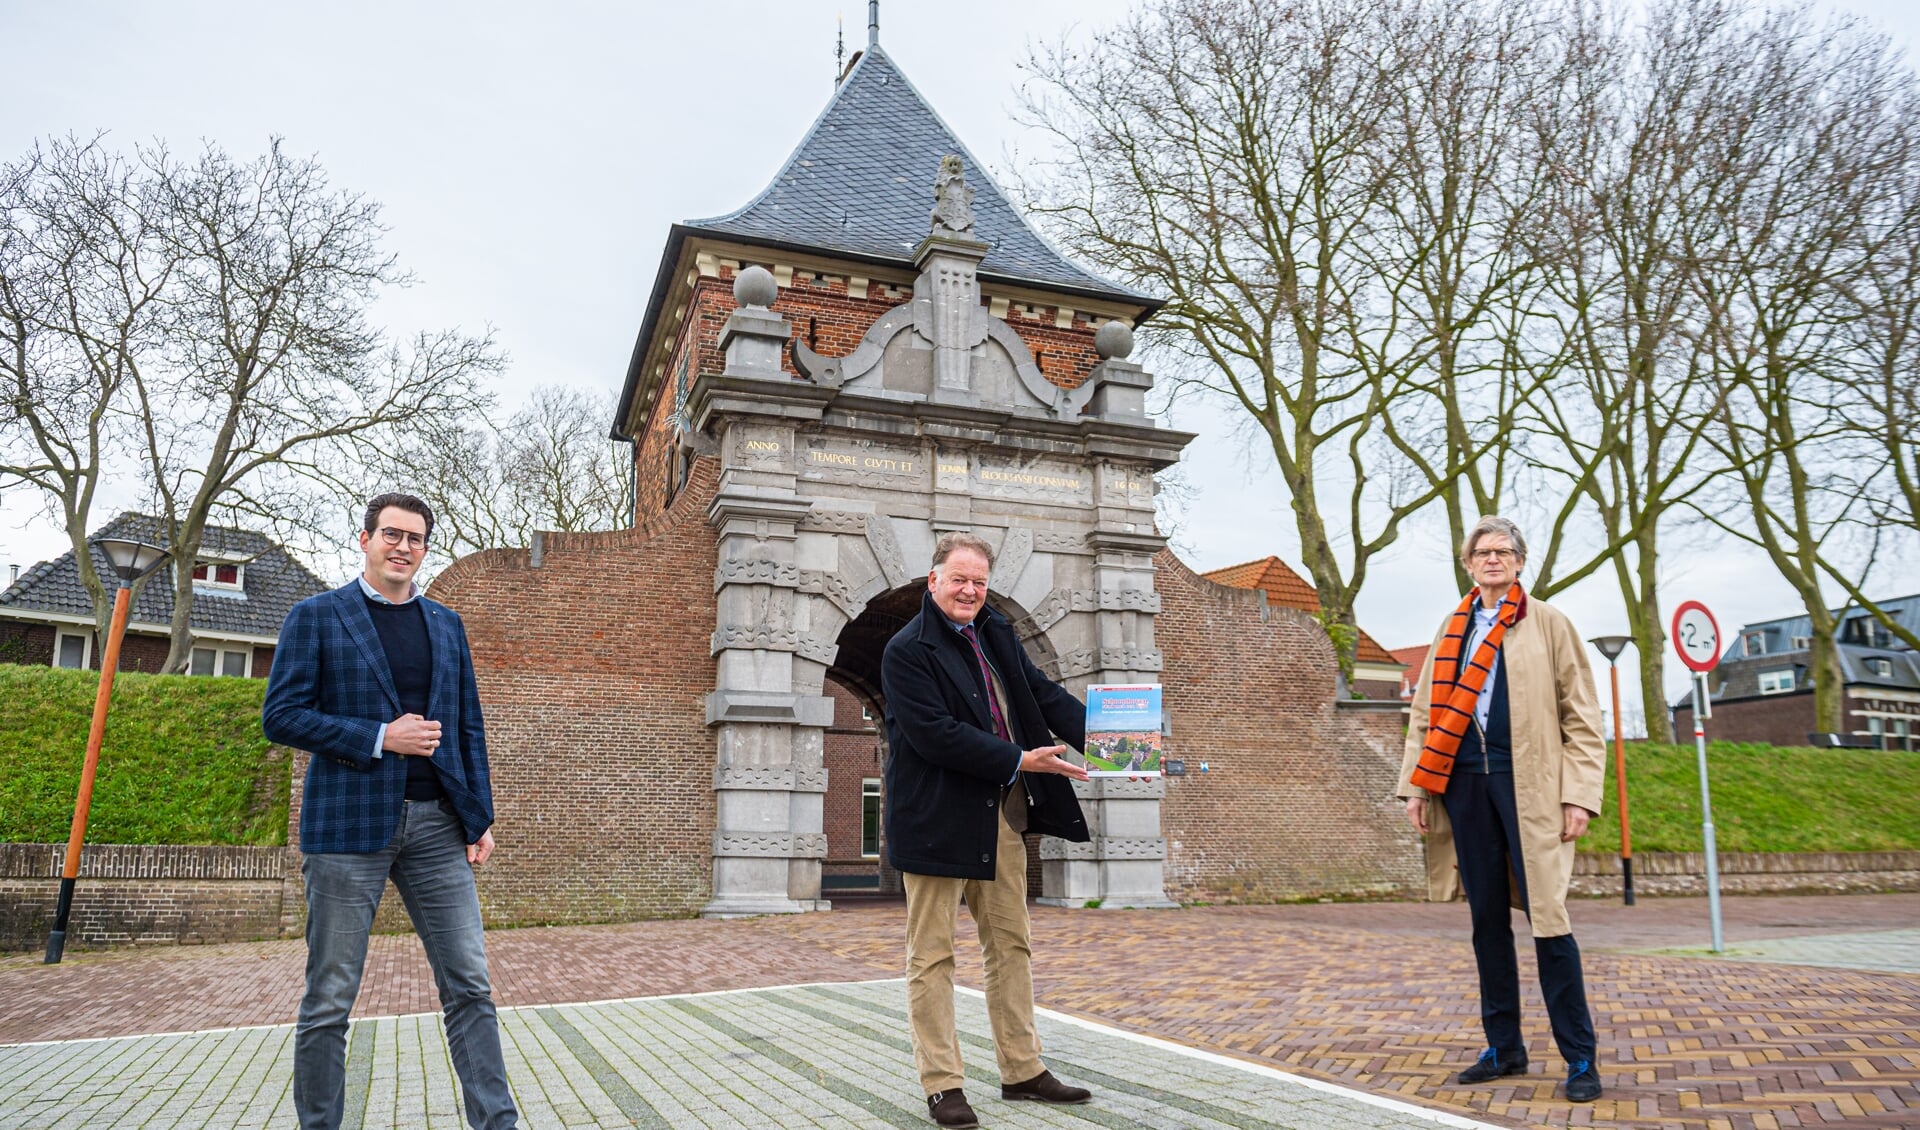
949, 1108
1044, 1088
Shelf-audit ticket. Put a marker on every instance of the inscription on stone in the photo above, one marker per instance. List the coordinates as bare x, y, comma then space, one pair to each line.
1039, 481
859, 461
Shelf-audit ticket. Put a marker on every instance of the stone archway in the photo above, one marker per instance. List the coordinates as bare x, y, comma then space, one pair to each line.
833, 489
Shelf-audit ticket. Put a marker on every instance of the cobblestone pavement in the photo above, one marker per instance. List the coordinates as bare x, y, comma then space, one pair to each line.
1378, 997
807, 1056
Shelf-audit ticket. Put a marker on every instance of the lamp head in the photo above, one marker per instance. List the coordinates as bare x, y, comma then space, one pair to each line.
130, 559
1611, 646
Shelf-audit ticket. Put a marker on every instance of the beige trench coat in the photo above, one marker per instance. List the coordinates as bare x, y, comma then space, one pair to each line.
1559, 758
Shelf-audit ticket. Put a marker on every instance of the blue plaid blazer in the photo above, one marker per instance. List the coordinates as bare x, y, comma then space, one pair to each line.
329, 694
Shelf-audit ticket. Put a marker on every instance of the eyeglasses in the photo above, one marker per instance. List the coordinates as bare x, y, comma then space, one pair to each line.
394, 537
1488, 554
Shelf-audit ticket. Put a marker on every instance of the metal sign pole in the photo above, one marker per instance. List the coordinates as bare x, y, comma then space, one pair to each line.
1706, 807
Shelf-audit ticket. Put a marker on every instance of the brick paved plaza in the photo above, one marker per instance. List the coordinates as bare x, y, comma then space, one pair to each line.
1377, 998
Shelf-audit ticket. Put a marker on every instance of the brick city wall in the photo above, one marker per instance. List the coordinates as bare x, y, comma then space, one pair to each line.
1597, 875
594, 664
141, 894
1297, 797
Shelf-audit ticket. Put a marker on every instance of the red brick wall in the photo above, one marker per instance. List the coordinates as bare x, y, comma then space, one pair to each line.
142, 893
852, 755
1776, 719
832, 322
1297, 798
25, 642
593, 672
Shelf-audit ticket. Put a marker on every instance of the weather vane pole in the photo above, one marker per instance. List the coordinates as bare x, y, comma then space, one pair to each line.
873, 23
839, 47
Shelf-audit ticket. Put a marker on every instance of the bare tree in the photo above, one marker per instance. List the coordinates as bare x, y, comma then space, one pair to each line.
550, 466
1320, 187
1815, 151
80, 286
207, 318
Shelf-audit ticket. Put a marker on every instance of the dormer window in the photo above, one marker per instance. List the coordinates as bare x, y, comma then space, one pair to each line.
1881, 666
218, 575
1756, 643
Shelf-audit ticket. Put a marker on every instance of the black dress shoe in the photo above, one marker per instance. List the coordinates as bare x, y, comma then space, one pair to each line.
1044, 1088
950, 1108
1493, 1064
1583, 1082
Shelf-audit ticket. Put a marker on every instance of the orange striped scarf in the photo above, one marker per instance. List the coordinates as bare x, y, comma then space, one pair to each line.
1455, 690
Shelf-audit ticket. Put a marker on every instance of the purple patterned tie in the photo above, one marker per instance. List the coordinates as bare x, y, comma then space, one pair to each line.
986, 674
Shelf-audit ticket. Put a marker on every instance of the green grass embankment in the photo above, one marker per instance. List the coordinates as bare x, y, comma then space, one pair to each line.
1765, 798
183, 760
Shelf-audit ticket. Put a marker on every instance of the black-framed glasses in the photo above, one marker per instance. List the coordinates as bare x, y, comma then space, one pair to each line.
1502, 554
393, 536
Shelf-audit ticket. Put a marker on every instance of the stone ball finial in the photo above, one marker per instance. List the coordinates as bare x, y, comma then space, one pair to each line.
1113, 341
754, 286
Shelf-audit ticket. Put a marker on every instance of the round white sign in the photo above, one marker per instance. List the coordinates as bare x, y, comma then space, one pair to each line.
1696, 636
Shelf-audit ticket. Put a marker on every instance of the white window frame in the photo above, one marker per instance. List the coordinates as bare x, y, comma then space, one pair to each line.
1770, 682
238, 584
221, 649
1801, 643
1880, 665
1754, 643
869, 787
86, 649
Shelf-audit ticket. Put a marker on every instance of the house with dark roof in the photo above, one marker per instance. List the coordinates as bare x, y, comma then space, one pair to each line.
243, 587
1377, 673
1762, 689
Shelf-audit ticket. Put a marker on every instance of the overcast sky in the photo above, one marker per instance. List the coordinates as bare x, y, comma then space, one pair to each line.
530, 158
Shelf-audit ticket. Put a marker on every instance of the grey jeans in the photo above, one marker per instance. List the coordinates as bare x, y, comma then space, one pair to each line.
427, 860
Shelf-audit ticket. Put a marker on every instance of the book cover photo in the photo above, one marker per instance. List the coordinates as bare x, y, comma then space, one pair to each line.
1123, 730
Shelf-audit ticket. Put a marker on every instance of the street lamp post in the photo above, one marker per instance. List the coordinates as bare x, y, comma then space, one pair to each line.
1611, 647
131, 560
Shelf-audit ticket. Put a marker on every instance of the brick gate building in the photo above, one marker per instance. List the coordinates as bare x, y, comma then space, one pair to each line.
875, 350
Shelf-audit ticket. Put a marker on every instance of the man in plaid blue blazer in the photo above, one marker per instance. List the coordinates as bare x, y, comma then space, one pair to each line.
376, 682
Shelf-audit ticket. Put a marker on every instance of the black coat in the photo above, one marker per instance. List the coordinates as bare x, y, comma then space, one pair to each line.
946, 766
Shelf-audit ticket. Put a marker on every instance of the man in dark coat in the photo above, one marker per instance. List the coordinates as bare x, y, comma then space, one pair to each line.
969, 722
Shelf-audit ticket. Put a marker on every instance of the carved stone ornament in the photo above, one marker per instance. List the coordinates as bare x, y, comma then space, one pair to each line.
952, 198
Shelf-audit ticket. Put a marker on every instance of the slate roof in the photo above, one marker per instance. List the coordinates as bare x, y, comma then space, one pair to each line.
860, 186
272, 582
1778, 635
861, 183
1288, 589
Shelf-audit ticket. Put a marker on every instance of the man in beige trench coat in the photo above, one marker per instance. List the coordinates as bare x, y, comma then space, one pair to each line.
1505, 733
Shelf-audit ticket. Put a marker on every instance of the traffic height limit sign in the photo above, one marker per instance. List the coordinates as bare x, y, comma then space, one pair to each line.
1696, 636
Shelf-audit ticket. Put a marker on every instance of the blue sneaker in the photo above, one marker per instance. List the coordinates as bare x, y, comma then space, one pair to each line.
1493, 1064
1583, 1082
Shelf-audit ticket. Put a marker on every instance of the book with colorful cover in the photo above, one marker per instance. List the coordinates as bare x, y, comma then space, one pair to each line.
1123, 730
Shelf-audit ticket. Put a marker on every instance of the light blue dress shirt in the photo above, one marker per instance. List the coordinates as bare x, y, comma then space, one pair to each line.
1483, 621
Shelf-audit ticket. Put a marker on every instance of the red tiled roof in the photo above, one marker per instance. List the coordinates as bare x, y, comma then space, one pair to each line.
1288, 589
1415, 656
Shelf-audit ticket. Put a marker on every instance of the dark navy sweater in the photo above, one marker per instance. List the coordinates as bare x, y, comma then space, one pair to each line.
1495, 754
403, 636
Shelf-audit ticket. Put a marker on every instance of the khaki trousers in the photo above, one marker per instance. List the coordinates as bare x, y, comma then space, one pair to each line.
999, 910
